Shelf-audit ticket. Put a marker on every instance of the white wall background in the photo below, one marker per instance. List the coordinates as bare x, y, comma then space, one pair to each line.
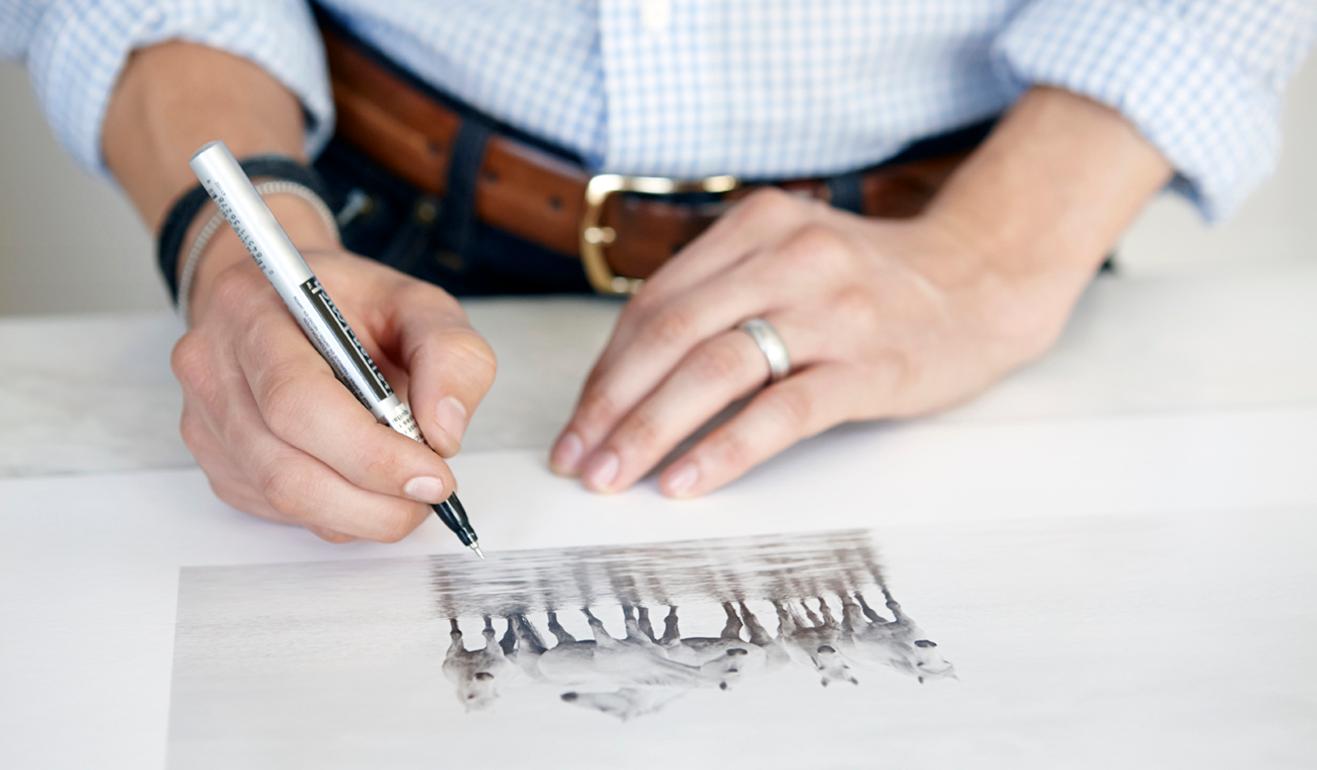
69, 242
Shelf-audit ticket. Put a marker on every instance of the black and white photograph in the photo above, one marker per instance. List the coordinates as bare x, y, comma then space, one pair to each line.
561, 647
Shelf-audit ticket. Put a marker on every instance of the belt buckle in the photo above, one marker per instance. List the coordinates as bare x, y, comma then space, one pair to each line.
596, 236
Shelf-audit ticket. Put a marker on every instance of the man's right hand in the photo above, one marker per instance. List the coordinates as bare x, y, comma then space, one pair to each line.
278, 436
276, 433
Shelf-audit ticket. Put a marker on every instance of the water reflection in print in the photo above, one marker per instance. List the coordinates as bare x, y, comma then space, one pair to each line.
799, 605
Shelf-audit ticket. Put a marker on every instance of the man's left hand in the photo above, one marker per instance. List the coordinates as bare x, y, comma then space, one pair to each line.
882, 318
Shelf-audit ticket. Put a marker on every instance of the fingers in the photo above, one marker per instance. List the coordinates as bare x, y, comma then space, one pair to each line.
302, 404
763, 218
647, 346
798, 407
228, 482
302, 489
716, 373
450, 367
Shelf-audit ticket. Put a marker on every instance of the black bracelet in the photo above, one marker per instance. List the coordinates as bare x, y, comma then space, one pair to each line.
184, 210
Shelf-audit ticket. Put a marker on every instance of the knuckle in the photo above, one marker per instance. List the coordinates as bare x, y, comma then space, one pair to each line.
855, 305
473, 351
232, 288
640, 430
192, 432
598, 407
639, 305
428, 294
227, 494
789, 407
189, 359
768, 202
395, 523
330, 536
669, 327
719, 362
732, 450
819, 242
382, 463
281, 490
282, 400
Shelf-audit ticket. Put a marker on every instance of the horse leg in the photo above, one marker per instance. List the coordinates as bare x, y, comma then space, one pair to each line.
646, 627
810, 614
491, 642
786, 618
732, 630
597, 628
850, 614
893, 605
509, 641
455, 646
758, 634
559, 633
868, 611
671, 635
828, 620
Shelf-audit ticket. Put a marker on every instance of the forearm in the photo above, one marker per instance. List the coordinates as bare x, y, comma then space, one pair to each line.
1049, 193
173, 98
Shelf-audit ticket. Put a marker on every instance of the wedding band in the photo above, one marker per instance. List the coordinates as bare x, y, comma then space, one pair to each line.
771, 345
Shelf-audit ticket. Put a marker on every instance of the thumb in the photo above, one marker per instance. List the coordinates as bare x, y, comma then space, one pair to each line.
449, 365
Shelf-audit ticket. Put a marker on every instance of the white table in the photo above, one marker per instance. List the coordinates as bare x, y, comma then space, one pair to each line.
1171, 437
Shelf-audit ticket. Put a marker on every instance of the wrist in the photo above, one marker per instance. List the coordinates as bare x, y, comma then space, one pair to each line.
1016, 302
304, 223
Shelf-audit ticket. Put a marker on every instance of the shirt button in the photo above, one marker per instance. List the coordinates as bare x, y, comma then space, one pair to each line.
655, 15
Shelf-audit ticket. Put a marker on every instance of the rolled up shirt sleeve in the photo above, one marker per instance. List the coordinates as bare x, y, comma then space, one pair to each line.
1202, 80
76, 49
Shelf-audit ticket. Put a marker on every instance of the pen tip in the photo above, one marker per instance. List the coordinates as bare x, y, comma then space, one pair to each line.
475, 548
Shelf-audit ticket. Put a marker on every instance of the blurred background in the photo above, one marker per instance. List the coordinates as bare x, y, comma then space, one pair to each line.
70, 243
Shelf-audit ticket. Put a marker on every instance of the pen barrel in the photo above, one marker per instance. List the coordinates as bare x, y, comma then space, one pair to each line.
283, 265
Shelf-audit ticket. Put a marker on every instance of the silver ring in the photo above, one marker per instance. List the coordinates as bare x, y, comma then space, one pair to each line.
771, 345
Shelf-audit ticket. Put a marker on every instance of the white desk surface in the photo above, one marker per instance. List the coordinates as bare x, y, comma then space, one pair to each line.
1162, 457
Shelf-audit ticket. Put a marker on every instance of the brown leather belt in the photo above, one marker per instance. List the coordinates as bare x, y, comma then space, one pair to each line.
546, 200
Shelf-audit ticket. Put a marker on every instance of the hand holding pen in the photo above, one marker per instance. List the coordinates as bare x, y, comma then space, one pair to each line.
276, 432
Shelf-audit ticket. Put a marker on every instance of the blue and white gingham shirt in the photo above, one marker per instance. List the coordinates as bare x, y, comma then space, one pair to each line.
757, 88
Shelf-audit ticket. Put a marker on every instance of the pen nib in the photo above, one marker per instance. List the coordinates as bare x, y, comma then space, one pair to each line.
475, 548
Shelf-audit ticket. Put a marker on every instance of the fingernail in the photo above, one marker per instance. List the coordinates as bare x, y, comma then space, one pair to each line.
425, 489
566, 453
681, 480
602, 470
451, 416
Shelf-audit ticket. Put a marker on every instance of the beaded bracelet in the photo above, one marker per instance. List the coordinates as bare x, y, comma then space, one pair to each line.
269, 187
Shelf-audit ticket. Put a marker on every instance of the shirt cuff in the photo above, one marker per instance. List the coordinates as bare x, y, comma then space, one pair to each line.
79, 49
1214, 121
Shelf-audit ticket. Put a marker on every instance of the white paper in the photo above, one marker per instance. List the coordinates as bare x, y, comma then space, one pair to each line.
1163, 560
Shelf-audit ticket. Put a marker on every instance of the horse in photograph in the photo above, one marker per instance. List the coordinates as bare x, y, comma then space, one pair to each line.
725, 658
814, 640
644, 677
475, 674
899, 643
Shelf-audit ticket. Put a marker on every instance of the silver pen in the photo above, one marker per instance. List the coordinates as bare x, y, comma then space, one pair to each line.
231, 189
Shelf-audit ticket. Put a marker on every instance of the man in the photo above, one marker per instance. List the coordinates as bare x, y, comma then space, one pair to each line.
452, 115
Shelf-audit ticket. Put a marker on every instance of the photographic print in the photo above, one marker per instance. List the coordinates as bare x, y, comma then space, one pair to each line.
754, 652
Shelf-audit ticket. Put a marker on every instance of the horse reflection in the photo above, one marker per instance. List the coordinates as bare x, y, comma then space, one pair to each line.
898, 642
725, 658
475, 674
638, 671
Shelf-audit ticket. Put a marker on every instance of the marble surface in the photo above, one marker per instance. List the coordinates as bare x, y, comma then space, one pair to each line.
87, 394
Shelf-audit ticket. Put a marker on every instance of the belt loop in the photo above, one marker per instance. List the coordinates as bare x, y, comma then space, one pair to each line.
457, 215
844, 192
